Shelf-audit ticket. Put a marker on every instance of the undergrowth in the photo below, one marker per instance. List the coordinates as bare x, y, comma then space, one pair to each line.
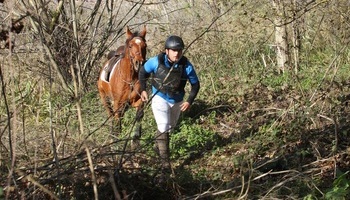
253, 132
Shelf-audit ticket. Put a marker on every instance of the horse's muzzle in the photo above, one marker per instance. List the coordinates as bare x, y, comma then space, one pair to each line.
138, 64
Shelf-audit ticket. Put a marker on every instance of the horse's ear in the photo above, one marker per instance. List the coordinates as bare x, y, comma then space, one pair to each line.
143, 32
128, 33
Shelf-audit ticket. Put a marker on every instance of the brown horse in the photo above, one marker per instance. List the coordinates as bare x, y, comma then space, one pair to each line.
118, 82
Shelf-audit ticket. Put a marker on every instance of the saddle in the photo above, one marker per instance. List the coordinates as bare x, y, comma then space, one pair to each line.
109, 67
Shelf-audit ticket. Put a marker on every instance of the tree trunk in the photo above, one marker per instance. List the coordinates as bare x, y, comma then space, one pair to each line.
280, 36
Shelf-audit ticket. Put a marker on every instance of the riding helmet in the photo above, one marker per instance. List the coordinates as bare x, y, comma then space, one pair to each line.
174, 42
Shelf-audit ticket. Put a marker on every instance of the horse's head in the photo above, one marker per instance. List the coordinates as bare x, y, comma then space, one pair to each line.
136, 47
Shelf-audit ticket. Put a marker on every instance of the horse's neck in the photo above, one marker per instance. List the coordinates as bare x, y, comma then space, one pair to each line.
126, 53
126, 66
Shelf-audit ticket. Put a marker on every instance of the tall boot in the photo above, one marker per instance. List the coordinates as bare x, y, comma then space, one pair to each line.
162, 142
135, 142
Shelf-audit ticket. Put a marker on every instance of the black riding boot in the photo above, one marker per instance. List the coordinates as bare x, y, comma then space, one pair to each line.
162, 142
135, 142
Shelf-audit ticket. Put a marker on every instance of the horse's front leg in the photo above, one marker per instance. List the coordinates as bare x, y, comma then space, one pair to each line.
136, 102
138, 127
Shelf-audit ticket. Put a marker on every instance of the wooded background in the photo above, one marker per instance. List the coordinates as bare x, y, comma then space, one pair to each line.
272, 109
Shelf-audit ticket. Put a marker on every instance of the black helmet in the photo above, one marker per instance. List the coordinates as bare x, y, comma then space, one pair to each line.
174, 42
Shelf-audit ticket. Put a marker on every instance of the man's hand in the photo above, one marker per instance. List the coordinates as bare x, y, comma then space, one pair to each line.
144, 96
185, 106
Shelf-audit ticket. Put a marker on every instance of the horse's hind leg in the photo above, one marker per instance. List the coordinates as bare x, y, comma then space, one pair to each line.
116, 127
106, 101
119, 110
108, 106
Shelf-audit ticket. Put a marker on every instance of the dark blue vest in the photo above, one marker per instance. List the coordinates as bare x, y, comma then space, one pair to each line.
170, 80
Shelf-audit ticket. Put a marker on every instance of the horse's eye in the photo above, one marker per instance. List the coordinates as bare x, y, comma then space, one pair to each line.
130, 47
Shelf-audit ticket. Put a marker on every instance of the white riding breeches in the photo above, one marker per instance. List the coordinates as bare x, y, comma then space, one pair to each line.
166, 114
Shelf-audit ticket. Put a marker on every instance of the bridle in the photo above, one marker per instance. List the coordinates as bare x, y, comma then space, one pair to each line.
133, 62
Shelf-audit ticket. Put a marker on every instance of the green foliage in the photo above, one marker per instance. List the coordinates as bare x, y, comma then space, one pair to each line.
274, 80
1, 193
191, 138
340, 189
309, 197
265, 139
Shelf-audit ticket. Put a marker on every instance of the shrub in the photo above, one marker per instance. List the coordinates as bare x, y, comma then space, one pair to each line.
191, 138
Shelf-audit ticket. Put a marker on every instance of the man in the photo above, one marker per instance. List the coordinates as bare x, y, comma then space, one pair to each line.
170, 73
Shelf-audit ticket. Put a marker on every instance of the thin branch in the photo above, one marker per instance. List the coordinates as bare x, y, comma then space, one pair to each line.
114, 186
12, 153
52, 132
43, 188
210, 25
93, 177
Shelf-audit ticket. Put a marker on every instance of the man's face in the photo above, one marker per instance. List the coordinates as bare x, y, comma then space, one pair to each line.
173, 55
